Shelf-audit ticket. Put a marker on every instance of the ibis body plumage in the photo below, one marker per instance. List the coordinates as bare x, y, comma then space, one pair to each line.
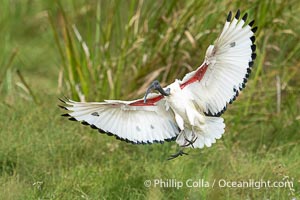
187, 110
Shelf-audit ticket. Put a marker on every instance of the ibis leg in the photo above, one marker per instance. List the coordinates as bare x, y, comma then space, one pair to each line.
189, 142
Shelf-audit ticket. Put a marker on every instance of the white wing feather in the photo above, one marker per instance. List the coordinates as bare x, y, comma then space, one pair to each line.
135, 124
228, 64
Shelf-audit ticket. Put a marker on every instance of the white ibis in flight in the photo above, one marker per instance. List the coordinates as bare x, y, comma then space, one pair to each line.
188, 110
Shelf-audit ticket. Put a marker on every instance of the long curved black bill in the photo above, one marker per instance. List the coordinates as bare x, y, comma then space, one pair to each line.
152, 86
162, 91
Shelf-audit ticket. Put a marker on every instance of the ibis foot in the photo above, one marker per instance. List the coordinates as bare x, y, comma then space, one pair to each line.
179, 153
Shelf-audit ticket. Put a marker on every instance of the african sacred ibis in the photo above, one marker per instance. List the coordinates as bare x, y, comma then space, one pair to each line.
187, 110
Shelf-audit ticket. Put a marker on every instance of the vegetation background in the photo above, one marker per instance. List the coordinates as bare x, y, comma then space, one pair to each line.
97, 50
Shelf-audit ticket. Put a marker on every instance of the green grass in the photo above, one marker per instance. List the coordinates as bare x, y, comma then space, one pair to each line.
44, 156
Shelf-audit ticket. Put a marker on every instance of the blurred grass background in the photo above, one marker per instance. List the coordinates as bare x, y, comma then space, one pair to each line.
113, 49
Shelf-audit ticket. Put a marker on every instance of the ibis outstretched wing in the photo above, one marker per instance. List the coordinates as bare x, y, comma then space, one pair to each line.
226, 67
131, 121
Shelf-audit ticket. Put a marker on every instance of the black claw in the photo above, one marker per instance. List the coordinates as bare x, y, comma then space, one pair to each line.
179, 153
229, 16
237, 15
245, 17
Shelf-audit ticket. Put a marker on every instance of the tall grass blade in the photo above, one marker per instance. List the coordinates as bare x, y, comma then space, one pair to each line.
25, 84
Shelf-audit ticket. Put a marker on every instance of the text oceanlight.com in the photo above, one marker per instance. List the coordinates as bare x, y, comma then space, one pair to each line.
221, 183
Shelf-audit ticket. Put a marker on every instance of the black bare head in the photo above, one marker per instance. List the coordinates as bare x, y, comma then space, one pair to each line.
155, 85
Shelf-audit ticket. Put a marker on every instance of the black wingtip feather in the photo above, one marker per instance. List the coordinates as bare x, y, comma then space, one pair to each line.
250, 63
110, 134
252, 38
72, 119
238, 13
245, 17
253, 56
253, 47
236, 94
84, 123
66, 97
65, 115
254, 29
229, 16
62, 107
93, 126
217, 114
251, 23
171, 139
234, 98
61, 100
